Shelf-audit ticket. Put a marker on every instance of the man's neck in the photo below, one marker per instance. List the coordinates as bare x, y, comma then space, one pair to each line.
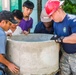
63, 15
48, 28
26, 18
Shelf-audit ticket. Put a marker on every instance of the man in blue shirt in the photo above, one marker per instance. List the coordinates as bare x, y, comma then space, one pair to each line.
6, 19
45, 25
65, 29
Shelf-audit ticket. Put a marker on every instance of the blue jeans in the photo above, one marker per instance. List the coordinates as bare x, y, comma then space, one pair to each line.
2, 73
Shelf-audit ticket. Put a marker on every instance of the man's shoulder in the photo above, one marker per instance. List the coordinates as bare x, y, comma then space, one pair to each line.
22, 22
71, 16
72, 19
18, 28
40, 25
29, 20
1, 32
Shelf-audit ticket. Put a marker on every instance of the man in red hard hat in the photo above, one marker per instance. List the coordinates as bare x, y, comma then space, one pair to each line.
65, 29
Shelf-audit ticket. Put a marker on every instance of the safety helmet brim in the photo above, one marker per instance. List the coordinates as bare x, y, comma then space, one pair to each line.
44, 17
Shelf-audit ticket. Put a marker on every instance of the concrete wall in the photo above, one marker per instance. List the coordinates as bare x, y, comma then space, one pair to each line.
5, 4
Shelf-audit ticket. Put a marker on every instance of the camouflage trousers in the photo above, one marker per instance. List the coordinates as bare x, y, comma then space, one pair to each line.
68, 64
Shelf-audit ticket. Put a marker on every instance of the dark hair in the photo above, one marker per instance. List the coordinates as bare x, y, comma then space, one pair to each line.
18, 14
7, 15
28, 4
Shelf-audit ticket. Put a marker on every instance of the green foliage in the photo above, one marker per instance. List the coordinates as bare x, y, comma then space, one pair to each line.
69, 7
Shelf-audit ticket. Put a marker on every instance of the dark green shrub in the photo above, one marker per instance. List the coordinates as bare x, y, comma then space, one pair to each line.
69, 7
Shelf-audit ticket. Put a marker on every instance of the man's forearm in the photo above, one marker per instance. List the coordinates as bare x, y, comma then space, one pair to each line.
3, 60
70, 39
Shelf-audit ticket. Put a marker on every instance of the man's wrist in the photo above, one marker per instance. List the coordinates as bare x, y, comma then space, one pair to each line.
60, 40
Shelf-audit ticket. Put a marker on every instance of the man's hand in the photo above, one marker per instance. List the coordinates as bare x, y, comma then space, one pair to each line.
25, 32
9, 34
54, 37
13, 68
57, 39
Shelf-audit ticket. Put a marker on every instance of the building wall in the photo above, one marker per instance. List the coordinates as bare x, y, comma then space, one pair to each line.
0, 5
34, 13
5, 4
13, 4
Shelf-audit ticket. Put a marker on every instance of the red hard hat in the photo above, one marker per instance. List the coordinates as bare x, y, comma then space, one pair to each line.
52, 5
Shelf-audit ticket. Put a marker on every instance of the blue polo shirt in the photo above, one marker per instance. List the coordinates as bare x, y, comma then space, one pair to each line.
66, 28
40, 28
2, 44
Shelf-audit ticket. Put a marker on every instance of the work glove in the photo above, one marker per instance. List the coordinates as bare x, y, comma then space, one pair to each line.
54, 37
57, 39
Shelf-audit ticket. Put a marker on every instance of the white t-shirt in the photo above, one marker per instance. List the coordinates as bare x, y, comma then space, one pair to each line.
16, 32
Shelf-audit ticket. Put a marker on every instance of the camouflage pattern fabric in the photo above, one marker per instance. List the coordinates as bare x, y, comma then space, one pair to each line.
68, 64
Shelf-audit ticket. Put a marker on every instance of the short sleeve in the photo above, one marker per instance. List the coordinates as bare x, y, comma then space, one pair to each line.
2, 44
73, 26
30, 25
38, 28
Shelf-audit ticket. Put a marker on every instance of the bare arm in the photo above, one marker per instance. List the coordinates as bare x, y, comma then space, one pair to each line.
11, 66
70, 39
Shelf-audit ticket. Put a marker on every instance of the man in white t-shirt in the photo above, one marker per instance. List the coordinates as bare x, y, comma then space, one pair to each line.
14, 30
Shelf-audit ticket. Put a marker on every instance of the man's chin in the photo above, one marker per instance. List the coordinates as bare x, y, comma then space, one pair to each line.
6, 29
26, 16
